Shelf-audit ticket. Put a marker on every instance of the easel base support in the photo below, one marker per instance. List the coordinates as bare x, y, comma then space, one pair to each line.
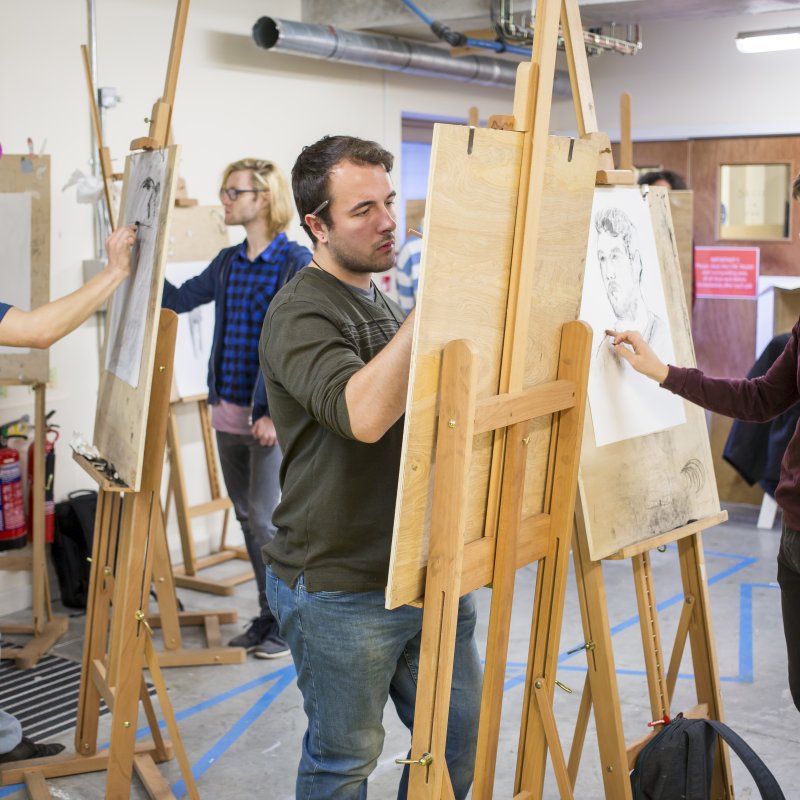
29, 655
213, 653
65, 764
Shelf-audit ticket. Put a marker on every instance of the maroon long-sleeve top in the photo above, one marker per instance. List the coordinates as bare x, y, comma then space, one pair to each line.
755, 400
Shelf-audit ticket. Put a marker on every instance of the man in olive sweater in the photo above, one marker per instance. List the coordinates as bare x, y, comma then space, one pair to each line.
755, 400
335, 353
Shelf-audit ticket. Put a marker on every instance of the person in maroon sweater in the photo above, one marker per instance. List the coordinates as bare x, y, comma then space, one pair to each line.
755, 400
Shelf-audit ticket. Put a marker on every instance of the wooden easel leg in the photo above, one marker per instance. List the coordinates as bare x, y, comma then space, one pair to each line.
651, 636
679, 645
601, 675
177, 483
579, 735
551, 576
187, 575
165, 585
172, 725
544, 704
505, 568
704, 655
37, 499
454, 446
170, 619
101, 587
45, 629
126, 649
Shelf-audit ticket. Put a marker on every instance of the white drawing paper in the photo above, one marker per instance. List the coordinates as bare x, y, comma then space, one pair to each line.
623, 290
143, 199
195, 333
15, 261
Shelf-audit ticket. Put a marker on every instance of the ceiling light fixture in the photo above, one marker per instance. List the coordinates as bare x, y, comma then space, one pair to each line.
769, 41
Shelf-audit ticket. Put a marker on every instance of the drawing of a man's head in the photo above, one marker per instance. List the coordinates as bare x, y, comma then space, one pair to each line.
619, 260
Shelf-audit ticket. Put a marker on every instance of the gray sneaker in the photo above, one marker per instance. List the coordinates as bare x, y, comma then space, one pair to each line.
271, 647
257, 632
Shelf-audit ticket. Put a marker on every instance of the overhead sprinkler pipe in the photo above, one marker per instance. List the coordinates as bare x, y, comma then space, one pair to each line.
389, 53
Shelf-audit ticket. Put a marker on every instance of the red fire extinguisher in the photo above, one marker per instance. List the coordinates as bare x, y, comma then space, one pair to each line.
12, 513
51, 437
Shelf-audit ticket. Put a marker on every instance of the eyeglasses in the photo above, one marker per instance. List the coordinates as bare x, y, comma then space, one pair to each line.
233, 194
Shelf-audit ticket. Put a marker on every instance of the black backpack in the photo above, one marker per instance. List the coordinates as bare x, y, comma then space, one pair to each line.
72, 546
677, 763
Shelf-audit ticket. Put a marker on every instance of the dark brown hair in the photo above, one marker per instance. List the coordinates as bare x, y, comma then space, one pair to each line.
313, 167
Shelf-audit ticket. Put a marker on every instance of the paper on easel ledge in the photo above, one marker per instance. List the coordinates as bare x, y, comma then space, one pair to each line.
89, 188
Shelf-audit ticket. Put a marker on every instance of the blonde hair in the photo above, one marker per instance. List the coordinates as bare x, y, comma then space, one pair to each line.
267, 176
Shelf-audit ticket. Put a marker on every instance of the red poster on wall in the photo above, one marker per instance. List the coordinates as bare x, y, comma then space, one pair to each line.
726, 272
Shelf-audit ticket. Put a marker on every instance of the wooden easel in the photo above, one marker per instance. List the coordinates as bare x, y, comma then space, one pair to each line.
600, 689
171, 619
509, 543
46, 628
187, 574
547, 540
31, 174
118, 644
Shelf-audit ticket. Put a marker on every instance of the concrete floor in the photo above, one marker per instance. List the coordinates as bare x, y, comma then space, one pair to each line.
242, 724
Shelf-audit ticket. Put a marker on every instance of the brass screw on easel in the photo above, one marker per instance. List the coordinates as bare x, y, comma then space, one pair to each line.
425, 760
141, 617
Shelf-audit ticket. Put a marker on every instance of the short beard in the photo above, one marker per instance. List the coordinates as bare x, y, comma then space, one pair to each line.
359, 266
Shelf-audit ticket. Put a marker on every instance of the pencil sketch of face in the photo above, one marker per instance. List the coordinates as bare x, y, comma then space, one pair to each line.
619, 260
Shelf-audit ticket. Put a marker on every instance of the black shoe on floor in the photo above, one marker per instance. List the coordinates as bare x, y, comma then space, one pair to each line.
29, 749
257, 631
272, 646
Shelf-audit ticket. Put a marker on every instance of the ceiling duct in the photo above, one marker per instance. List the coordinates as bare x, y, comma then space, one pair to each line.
389, 53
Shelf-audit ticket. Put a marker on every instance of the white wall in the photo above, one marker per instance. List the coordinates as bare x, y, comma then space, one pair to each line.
234, 99
689, 80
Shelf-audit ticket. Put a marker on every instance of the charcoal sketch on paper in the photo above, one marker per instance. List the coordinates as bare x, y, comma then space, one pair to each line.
145, 190
623, 291
15, 264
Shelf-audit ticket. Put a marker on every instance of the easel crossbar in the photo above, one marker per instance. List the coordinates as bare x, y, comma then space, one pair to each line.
504, 410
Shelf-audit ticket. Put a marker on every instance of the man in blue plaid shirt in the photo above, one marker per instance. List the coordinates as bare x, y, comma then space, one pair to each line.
242, 280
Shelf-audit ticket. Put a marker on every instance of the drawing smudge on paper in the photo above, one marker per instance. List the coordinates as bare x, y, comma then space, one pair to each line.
131, 301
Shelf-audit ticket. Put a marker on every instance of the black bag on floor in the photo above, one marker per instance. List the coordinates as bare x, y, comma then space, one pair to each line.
72, 546
679, 760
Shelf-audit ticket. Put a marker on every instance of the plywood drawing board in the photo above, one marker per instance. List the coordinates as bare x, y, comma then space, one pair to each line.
640, 488
25, 264
122, 402
463, 293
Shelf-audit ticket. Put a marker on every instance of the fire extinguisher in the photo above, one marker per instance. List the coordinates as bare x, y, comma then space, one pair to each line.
51, 437
12, 512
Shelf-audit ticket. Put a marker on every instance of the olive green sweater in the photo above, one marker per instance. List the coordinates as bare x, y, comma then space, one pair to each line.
336, 513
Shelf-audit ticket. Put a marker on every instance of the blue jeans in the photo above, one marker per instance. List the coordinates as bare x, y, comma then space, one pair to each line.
251, 471
351, 655
10, 732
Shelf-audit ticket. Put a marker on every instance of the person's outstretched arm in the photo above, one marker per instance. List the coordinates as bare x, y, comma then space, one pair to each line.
47, 324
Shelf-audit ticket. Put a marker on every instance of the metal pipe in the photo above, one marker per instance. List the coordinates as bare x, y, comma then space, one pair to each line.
501, 12
99, 216
389, 53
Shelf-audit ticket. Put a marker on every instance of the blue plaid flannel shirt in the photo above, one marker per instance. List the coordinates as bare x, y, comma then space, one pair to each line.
251, 287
